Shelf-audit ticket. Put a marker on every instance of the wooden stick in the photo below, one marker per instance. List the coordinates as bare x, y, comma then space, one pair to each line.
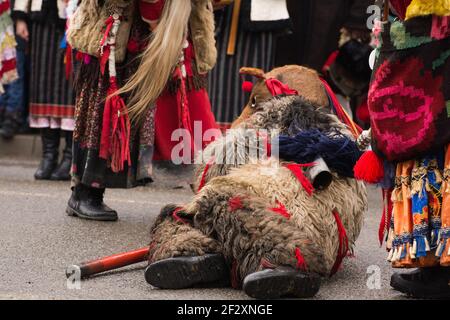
234, 28
113, 262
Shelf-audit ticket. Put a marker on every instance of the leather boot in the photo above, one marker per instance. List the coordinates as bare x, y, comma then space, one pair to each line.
87, 203
209, 270
424, 283
50, 150
281, 282
62, 172
10, 125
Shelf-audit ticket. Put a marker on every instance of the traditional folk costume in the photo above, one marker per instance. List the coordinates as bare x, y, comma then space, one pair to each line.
264, 226
112, 151
51, 95
409, 103
9, 74
246, 36
8, 71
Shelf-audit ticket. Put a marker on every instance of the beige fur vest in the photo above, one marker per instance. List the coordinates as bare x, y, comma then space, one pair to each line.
87, 27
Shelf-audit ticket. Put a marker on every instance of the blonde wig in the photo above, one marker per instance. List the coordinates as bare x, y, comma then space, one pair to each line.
159, 58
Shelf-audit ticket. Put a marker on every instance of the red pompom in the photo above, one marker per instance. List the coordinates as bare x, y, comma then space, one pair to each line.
247, 86
362, 112
369, 168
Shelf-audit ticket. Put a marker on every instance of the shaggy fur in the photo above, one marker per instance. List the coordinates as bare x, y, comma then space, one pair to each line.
88, 24
202, 35
235, 207
283, 115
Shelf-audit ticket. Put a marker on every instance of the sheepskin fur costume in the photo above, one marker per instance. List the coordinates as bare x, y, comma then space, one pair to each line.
258, 215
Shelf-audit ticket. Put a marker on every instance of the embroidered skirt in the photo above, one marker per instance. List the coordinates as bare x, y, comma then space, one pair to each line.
51, 94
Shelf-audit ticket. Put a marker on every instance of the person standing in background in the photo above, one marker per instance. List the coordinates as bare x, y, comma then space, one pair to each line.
245, 37
158, 86
10, 85
51, 106
408, 101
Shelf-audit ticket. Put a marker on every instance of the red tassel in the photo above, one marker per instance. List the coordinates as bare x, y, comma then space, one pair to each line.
115, 137
343, 243
369, 168
296, 169
235, 203
281, 210
109, 24
301, 263
247, 86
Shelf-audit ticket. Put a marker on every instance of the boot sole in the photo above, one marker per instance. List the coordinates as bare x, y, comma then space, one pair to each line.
417, 291
73, 213
187, 272
275, 285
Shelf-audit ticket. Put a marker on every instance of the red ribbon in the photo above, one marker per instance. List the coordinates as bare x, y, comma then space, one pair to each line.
276, 88
343, 243
297, 170
281, 210
104, 46
301, 263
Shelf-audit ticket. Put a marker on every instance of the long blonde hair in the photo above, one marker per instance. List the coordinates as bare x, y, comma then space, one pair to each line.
159, 58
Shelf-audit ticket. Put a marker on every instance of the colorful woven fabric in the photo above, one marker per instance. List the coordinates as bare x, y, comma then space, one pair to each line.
420, 226
410, 90
8, 72
443, 250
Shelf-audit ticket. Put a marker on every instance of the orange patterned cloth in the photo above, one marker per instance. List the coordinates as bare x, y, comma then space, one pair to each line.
420, 232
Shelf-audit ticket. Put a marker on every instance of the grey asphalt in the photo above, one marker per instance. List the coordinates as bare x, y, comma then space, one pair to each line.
38, 241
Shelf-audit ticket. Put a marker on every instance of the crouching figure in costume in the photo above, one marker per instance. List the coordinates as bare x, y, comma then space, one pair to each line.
409, 102
264, 226
142, 76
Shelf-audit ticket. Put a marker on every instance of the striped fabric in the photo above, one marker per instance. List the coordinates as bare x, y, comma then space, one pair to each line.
224, 84
51, 95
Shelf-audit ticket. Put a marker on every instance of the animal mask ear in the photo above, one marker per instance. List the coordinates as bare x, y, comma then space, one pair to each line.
255, 72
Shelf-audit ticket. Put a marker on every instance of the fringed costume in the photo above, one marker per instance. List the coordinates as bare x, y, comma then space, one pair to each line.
265, 214
409, 103
111, 150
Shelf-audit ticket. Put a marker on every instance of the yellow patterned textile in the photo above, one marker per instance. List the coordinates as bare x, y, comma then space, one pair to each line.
427, 7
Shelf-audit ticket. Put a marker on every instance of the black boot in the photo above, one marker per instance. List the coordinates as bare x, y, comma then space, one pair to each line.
87, 203
209, 270
281, 282
424, 283
10, 125
50, 151
62, 172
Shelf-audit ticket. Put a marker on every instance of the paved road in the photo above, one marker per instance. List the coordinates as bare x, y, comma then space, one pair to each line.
38, 241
